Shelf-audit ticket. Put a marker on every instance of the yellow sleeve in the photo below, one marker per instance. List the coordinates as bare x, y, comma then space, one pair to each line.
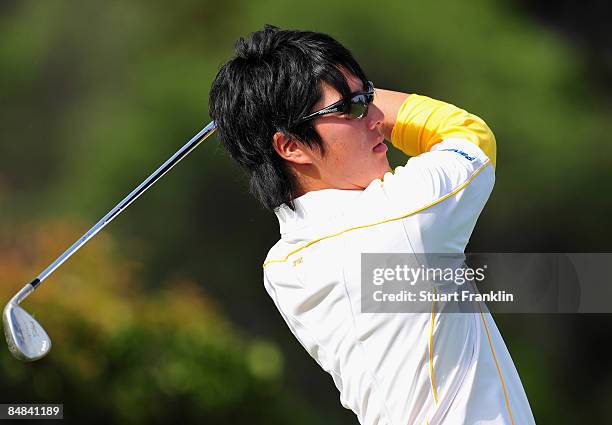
422, 122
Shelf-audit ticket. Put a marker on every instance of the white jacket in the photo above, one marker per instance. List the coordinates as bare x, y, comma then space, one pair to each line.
399, 368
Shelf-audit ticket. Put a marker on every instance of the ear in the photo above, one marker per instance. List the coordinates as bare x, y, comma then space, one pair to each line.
291, 149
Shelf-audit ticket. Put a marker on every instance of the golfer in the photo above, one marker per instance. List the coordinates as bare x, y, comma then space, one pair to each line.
299, 114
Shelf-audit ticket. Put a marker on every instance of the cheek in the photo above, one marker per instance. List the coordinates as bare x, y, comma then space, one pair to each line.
346, 160
346, 151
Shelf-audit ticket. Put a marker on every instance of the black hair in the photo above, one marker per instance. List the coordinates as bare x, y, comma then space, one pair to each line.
272, 80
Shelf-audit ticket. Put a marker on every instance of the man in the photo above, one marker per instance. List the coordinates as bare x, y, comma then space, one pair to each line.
296, 110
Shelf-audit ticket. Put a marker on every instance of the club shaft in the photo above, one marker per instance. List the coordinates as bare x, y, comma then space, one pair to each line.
163, 169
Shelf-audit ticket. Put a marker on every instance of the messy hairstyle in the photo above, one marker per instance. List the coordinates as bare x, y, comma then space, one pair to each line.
273, 79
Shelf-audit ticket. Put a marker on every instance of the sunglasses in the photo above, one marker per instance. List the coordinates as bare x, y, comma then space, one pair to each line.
355, 108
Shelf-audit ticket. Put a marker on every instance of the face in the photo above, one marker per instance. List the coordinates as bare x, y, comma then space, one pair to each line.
355, 153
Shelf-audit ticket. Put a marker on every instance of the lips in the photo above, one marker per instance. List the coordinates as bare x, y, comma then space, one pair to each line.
379, 148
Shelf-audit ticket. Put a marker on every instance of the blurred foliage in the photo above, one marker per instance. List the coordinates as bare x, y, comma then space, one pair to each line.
96, 96
122, 354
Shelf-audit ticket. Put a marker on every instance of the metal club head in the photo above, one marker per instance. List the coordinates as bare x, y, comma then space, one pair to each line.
26, 339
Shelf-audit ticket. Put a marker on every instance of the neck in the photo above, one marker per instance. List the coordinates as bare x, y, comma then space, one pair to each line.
311, 180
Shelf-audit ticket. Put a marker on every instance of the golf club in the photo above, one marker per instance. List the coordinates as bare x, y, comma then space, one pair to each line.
26, 339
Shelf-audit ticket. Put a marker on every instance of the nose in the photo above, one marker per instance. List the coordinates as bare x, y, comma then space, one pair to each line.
374, 118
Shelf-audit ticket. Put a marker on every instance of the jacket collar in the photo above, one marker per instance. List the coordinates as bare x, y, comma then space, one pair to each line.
314, 207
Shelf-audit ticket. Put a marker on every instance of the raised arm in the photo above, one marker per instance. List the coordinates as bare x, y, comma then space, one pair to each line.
414, 123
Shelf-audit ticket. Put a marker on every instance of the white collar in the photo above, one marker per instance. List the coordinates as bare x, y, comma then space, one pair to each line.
313, 207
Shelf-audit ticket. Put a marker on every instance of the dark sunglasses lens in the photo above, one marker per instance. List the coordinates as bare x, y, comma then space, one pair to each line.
359, 106
357, 110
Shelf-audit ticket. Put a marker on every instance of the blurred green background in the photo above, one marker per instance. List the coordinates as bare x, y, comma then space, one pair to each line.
163, 316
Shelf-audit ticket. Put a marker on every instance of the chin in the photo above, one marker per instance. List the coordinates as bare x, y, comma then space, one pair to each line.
374, 176
384, 170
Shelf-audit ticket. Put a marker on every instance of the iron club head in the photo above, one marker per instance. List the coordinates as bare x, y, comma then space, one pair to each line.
26, 339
